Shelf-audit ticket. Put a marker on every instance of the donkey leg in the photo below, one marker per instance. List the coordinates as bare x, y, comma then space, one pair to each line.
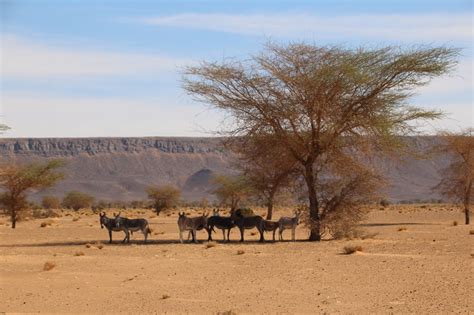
110, 236
181, 236
194, 236
228, 235
241, 234
293, 234
223, 234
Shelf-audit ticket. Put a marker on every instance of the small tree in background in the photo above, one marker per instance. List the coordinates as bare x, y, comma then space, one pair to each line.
50, 202
163, 197
266, 165
18, 180
232, 190
77, 200
458, 177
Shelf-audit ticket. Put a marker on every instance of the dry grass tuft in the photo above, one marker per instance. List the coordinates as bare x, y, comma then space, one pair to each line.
351, 249
88, 245
165, 296
49, 265
471, 232
240, 252
46, 223
79, 253
210, 245
99, 245
455, 223
75, 219
400, 229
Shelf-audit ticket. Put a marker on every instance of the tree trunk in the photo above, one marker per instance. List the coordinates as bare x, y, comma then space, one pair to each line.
270, 204
467, 201
315, 224
13, 217
269, 210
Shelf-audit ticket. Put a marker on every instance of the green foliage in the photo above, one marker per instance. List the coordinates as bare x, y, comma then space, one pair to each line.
163, 197
77, 200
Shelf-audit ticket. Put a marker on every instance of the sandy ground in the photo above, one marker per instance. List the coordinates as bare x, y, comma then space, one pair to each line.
426, 268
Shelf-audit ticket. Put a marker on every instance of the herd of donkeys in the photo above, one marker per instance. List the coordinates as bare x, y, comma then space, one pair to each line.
205, 222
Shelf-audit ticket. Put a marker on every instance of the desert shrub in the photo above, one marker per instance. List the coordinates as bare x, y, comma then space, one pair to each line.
351, 249
455, 223
240, 252
471, 232
50, 202
344, 224
400, 229
49, 213
79, 253
77, 200
46, 223
165, 296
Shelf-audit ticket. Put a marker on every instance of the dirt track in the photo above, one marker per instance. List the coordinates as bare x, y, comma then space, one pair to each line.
425, 269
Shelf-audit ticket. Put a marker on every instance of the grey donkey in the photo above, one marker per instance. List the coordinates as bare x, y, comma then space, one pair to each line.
287, 223
270, 226
192, 225
222, 223
132, 225
110, 225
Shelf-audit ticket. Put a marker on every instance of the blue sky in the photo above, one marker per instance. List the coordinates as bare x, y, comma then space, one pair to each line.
82, 68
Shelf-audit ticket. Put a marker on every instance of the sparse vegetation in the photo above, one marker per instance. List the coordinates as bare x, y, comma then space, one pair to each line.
79, 253
455, 223
165, 296
401, 229
240, 252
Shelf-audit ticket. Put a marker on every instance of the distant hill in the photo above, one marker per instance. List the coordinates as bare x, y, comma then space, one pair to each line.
121, 168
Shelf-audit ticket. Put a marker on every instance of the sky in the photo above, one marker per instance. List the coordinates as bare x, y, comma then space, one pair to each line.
112, 68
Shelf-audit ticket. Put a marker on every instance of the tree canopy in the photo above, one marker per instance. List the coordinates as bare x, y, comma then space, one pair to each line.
321, 102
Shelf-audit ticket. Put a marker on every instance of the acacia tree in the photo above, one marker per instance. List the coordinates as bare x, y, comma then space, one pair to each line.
163, 197
232, 190
315, 99
18, 180
458, 177
267, 166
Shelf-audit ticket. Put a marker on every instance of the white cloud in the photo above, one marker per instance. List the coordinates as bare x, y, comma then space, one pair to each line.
429, 27
49, 116
22, 58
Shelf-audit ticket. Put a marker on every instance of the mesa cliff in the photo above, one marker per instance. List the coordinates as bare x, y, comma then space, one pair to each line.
122, 168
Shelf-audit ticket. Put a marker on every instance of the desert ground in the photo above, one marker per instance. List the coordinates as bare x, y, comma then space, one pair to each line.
414, 259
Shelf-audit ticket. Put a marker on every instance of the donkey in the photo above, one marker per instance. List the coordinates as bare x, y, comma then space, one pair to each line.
132, 225
286, 223
222, 223
246, 223
111, 225
270, 226
191, 224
